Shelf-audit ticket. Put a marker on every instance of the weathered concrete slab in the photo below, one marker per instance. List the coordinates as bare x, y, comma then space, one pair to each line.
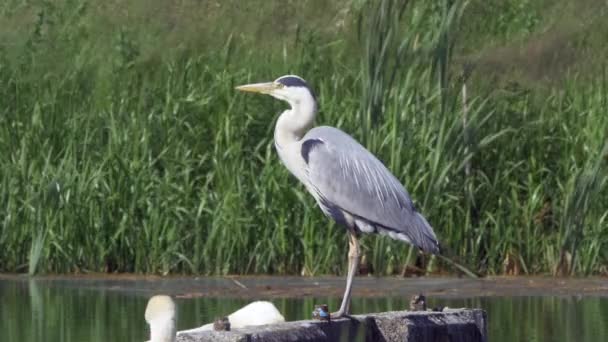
455, 325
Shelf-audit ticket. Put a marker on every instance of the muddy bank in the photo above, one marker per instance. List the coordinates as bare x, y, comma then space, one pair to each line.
297, 287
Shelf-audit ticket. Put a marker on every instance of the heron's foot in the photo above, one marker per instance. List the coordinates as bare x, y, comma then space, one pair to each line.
339, 314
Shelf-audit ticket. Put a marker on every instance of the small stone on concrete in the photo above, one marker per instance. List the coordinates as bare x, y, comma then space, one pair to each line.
221, 324
418, 303
321, 313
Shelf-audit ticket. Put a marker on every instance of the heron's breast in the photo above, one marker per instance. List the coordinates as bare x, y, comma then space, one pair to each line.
292, 159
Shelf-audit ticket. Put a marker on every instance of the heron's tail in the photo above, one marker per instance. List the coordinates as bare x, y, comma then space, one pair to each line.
425, 238
427, 241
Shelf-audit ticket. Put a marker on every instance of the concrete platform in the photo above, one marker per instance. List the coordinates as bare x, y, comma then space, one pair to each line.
455, 325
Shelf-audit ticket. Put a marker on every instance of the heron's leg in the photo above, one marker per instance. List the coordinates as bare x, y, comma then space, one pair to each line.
353, 263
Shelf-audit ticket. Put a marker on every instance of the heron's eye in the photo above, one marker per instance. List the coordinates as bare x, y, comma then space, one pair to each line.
280, 85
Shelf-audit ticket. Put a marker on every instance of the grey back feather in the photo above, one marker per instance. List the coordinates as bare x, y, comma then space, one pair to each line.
346, 176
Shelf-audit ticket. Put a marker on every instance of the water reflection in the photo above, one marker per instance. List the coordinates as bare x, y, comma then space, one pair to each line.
33, 311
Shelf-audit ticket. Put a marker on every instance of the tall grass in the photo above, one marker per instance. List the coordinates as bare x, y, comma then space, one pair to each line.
125, 147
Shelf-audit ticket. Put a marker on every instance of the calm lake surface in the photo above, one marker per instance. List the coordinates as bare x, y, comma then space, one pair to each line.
32, 310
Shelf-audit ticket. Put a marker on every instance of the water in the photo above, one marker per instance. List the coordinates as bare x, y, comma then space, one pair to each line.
54, 311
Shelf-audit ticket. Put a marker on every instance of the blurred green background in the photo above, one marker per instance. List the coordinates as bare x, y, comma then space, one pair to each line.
126, 149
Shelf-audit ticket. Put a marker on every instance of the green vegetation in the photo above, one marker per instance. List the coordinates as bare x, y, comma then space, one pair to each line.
125, 147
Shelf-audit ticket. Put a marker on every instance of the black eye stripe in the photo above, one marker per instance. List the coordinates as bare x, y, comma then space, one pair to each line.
290, 81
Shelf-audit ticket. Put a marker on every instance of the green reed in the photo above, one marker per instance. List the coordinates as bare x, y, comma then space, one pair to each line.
125, 147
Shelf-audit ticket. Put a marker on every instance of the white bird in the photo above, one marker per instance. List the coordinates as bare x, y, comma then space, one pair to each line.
252, 314
160, 315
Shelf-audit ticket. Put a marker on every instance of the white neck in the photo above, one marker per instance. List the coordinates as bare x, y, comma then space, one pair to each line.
295, 122
162, 330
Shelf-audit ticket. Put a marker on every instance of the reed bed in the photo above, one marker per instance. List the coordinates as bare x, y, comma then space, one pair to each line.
126, 149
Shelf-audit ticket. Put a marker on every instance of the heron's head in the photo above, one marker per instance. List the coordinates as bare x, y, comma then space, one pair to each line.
289, 88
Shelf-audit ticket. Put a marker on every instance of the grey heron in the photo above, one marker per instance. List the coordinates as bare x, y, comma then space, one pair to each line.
349, 183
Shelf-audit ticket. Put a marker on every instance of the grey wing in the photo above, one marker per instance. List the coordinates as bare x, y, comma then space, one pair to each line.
346, 177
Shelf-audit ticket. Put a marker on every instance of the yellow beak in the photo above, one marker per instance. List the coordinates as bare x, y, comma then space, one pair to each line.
263, 88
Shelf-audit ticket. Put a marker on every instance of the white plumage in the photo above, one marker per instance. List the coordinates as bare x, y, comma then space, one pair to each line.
252, 314
160, 315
